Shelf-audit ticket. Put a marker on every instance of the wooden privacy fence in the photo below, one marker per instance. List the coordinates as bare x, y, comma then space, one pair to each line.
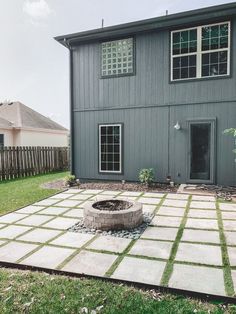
17, 162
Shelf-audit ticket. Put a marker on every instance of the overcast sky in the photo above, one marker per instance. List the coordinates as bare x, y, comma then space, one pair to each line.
34, 68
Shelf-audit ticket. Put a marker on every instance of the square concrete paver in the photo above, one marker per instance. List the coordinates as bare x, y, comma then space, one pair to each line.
201, 236
201, 223
153, 194
148, 208
140, 270
11, 232
69, 203
160, 233
73, 191
61, 196
177, 196
233, 273
171, 211
166, 221
48, 257
230, 237
110, 193
229, 225
90, 263
35, 220
13, 251
203, 198
202, 213
199, 253
107, 243
152, 201
39, 235
198, 278
203, 205
81, 197
47, 202
175, 203
149, 248
228, 206
76, 212
91, 191
232, 255
72, 239
30, 209
12, 217
61, 223
130, 193
229, 215
55, 211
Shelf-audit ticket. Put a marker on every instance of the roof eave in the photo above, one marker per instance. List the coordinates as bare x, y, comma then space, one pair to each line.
159, 23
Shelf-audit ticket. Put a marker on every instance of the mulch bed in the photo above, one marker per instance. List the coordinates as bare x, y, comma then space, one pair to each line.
114, 186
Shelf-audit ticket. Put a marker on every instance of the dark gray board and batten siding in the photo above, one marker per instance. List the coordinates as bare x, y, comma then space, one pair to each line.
149, 105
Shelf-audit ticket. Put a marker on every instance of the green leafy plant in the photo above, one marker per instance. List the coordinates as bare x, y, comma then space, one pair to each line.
146, 176
233, 132
70, 180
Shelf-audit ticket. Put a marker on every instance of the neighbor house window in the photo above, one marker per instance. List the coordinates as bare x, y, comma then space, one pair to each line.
118, 57
1, 140
110, 148
202, 51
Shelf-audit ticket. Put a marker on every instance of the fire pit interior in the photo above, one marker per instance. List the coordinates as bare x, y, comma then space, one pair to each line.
112, 205
113, 214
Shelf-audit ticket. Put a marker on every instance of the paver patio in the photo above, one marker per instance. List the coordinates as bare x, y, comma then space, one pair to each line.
190, 243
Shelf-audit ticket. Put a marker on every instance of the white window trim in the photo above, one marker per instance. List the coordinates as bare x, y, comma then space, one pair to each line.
120, 150
199, 52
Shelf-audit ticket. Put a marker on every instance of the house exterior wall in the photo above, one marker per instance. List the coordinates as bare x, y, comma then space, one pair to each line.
8, 137
34, 138
149, 105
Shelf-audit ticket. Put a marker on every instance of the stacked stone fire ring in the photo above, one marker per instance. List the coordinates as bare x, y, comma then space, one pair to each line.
113, 214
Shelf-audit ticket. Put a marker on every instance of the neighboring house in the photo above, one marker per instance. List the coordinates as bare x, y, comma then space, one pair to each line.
22, 126
155, 93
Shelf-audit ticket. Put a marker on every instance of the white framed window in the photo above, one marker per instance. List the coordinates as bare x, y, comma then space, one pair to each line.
110, 148
200, 52
117, 57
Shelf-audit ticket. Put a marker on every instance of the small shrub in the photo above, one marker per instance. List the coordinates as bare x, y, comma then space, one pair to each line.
146, 176
70, 180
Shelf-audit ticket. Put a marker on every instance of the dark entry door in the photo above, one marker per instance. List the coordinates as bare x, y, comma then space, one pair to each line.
201, 155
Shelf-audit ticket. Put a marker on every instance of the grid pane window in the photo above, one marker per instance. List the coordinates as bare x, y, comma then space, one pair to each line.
203, 51
110, 148
117, 57
184, 47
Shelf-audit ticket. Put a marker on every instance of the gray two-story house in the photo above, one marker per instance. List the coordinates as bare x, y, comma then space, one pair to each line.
156, 93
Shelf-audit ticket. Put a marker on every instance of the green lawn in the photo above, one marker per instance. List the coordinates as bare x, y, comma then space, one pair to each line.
41, 293
21, 192
33, 292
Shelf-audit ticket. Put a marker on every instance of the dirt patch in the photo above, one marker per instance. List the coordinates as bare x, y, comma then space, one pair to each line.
54, 185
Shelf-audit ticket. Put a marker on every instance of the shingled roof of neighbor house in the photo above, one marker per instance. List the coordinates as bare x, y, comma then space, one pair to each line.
18, 115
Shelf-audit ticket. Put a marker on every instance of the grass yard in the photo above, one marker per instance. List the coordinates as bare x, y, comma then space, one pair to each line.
28, 292
34, 292
21, 192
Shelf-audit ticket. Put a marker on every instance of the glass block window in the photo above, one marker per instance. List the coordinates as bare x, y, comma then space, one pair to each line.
203, 51
118, 57
110, 148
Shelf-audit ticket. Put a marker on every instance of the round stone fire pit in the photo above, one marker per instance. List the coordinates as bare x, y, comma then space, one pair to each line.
113, 214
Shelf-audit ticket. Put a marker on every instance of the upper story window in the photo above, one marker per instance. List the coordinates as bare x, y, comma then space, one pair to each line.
199, 52
118, 57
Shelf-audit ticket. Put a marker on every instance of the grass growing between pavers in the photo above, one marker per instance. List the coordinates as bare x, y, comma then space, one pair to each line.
22, 192
170, 264
26, 292
229, 287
